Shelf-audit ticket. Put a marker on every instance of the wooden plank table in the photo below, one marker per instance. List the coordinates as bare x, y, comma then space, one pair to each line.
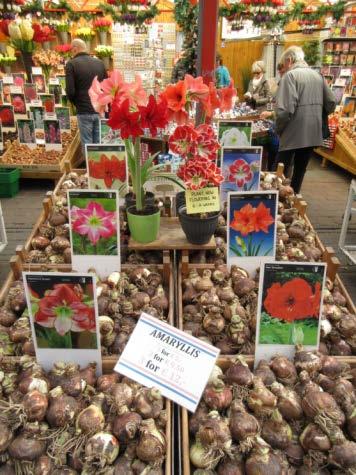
344, 153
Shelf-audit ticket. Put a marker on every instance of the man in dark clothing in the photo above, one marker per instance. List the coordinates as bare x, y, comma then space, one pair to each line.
80, 72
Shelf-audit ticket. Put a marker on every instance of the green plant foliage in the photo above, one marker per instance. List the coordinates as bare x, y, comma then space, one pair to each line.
312, 52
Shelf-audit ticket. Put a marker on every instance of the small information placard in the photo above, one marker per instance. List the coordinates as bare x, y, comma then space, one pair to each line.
205, 200
159, 355
36, 70
53, 81
36, 103
15, 89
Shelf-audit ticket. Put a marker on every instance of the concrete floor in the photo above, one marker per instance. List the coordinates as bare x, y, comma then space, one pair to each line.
324, 189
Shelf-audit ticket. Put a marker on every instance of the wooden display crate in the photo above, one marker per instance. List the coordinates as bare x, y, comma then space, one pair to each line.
343, 154
53, 171
224, 363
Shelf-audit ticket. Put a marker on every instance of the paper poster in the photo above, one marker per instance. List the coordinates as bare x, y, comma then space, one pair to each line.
19, 104
338, 93
30, 92
64, 317
53, 140
251, 228
94, 230
161, 356
345, 72
1, 138
7, 118
37, 114
108, 135
241, 167
205, 200
340, 82
19, 79
289, 308
40, 83
56, 91
107, 168
48, 102
26, 132
349, 107
63, 117
234, 133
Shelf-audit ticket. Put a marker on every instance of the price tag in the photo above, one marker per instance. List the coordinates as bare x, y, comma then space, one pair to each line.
15, 89
54, 81
36, 103
205, 200
36, 70
159, 355
8, 80
50, 115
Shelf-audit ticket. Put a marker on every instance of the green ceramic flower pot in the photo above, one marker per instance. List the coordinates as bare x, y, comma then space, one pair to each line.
144, 227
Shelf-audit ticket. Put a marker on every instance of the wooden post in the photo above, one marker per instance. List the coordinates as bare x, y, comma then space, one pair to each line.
166, 266
21, 252
185, 262
47, 205
67, 166
16, 266
208, 27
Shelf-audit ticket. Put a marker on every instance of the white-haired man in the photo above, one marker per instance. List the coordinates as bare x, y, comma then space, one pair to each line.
80, 72
301, 100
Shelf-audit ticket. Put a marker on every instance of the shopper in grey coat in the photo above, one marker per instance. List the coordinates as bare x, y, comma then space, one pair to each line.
301, 98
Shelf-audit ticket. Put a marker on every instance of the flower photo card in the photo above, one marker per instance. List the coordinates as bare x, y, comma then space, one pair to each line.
30, 92
40, 83
241, 167
37, 114
52, 132
26, 132
19, 104
94, 230
289, 308
108, 135
251, 228
63, 317
7, 118
349, 107
56, 91
63, 116
107, 168
235, 133
48, 102
338, 93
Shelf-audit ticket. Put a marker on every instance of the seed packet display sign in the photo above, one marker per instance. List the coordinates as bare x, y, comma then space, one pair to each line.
108, 135
159, 355
338, 93
64, 317
30, 92
289, 308
52, 132
94, 230
26, 132
7, 118
19, 104
107, 168
63, 117
349, 107
56, 91
234, 133
251, 228
40, 82
37, 114
47, 102
241, 169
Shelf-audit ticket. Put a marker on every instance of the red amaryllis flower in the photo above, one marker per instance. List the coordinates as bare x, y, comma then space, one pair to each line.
240, 172
196, 89
122, 119
63, 309
154, 115
176, 97
315, 301
212, 102
262, 218
182, 141
6, 117
227, 94
206, 144
243, 220
48, 105
19, 105
290, 301
42, 33
93, 221
108, 169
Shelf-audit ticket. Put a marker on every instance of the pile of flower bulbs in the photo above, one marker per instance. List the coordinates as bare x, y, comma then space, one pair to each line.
284, 418
121, 299
219, 307
51, 245
296, 241
68, 421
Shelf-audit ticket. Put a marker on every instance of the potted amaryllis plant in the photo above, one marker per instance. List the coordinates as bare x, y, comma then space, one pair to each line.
133, 114
198, 148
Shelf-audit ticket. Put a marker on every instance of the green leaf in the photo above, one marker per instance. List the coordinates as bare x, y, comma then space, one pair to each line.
236, 251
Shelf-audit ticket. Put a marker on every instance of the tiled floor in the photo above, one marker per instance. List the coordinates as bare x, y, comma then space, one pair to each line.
324, 189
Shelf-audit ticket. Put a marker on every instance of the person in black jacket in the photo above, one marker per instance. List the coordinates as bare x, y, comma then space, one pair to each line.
80, 72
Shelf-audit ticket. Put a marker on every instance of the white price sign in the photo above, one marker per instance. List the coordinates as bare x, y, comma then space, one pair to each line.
159, 355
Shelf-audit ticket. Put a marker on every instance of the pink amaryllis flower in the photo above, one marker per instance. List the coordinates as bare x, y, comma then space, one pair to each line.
63, 309
103, 93
240, 172
93, 222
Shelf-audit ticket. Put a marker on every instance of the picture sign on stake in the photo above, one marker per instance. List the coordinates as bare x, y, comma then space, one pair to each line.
26, 132
289, 308
205, 200
235, 133
37, 114
107, 168
94, 230
241, 167
161, 356
64, 317
108, 135
40, 82
19, 104
52, 131
30, 92
63, 116
251, 228
7, 118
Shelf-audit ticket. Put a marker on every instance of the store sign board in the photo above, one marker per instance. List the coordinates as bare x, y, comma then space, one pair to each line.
161, 356
68, 332
94, 230
205, 200
289, 308
251, 228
